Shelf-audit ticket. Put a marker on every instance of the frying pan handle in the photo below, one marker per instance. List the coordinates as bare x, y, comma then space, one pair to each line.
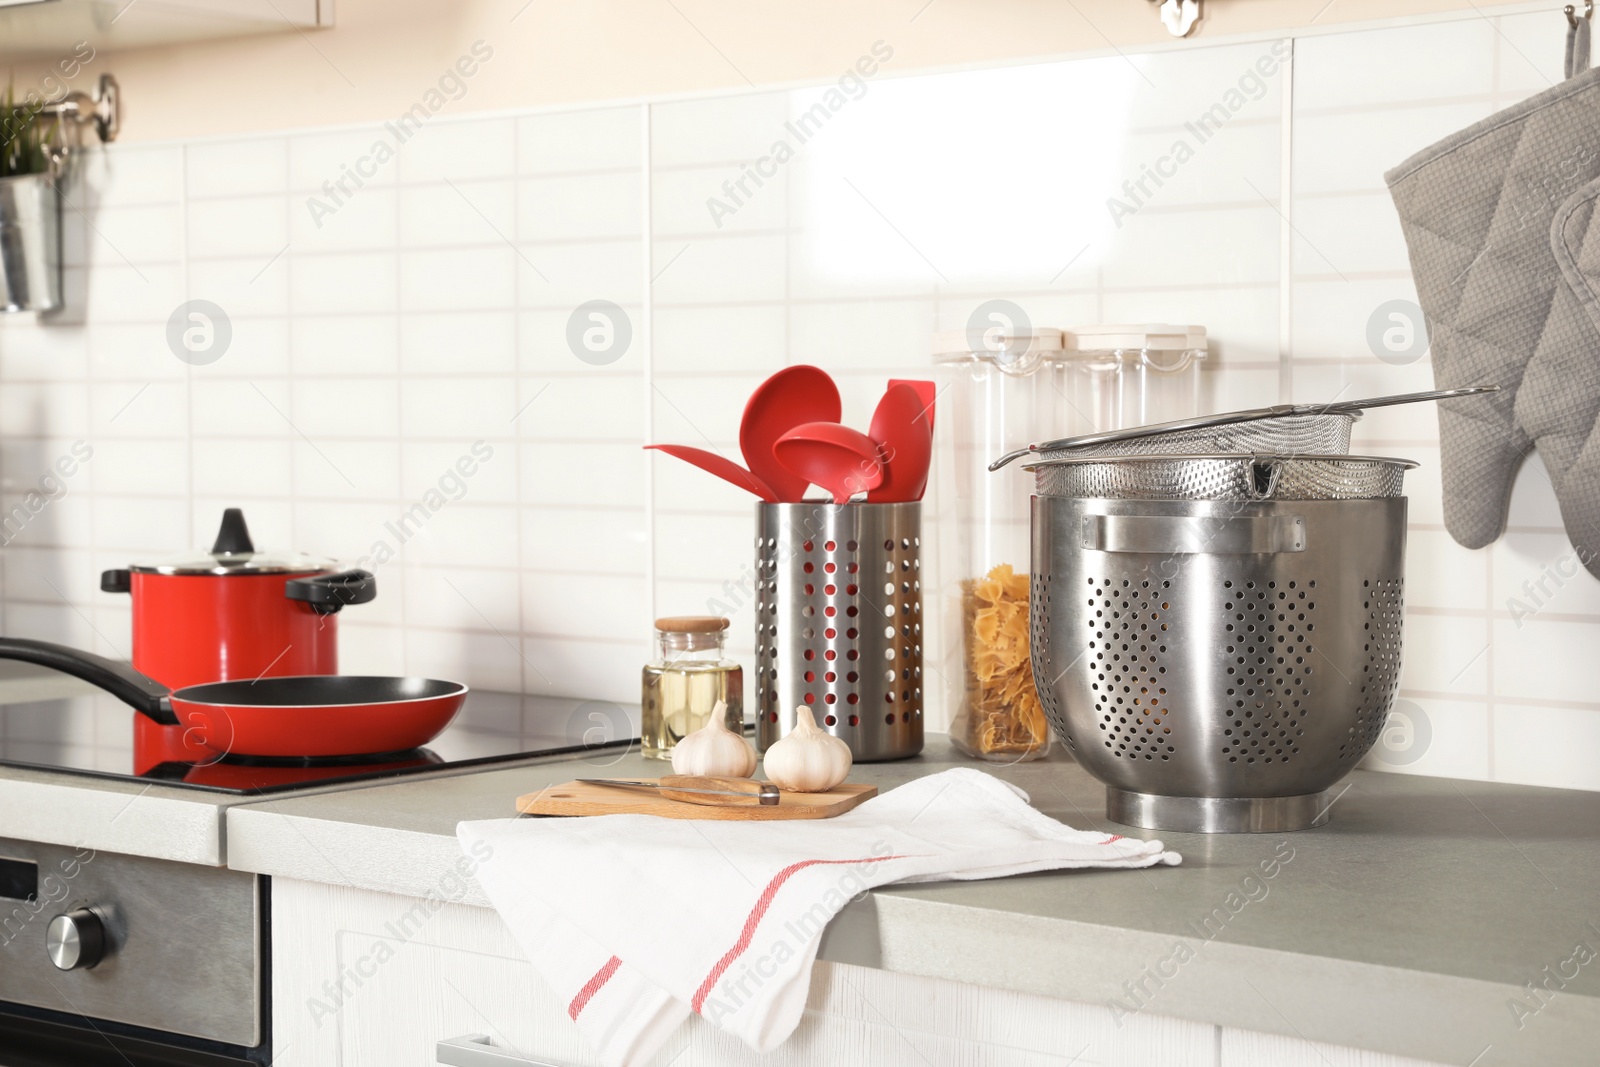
327, 593
145, 695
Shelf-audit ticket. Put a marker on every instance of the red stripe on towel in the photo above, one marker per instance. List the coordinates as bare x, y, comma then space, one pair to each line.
754, 919
1113, 839
592, 986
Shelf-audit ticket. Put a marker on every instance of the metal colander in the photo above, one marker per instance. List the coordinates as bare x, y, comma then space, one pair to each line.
1219, 664
1223, 477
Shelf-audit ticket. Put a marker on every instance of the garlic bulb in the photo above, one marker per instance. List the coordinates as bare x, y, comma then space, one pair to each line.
714, 749
807, 759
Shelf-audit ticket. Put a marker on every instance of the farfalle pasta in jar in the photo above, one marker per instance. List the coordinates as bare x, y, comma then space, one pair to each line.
1001, 718
1003, 384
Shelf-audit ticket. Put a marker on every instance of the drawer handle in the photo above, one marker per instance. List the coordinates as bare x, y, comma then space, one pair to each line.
1194, 534
474, 1050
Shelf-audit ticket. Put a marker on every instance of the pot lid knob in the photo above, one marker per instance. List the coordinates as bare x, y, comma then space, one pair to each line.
233, 536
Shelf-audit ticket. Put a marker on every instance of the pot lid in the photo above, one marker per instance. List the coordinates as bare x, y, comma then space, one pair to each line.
234, 553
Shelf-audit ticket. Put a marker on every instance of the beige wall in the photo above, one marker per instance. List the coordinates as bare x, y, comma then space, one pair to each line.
384, 54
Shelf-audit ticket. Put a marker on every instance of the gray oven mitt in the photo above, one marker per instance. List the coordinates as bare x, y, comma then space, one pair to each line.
1567, 403
1476, 209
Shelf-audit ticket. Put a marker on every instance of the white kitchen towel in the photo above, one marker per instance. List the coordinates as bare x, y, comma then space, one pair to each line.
640, 920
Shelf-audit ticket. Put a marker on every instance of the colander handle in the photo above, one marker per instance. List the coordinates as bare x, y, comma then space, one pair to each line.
1174, 535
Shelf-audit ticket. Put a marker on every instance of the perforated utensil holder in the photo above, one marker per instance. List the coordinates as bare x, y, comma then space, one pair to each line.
839, 624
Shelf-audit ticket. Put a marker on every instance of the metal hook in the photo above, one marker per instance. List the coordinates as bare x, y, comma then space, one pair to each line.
1572, 13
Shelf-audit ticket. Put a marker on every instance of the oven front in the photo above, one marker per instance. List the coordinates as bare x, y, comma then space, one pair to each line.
128, 959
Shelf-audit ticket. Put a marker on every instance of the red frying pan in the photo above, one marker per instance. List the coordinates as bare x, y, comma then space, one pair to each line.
313, 715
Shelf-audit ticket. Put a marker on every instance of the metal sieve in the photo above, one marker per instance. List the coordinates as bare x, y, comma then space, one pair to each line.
1283, 429
1287, 435
1219, 664
1244, 477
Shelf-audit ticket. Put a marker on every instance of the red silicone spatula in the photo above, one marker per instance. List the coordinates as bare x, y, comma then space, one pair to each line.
928, 391
723, 468
841, 460
790, 397
902, 429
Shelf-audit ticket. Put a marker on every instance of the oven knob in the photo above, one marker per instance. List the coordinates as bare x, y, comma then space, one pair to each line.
75, 940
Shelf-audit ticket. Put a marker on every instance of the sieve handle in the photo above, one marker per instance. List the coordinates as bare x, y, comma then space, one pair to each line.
1170, 535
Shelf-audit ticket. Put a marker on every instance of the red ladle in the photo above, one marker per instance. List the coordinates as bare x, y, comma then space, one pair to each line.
902, 428
836, 458
722, 467
794, 395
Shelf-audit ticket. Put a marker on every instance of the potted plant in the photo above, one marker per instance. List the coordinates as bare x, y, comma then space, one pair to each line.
30, 207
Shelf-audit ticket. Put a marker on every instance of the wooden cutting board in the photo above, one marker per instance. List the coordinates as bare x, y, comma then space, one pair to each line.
574, 798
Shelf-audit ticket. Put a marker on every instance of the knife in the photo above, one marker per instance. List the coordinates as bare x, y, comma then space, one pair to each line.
700, 789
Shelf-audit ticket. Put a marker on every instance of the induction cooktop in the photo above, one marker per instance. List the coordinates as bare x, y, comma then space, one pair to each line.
93, 735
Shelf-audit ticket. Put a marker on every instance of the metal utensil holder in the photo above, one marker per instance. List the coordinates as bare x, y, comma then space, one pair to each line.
839, 624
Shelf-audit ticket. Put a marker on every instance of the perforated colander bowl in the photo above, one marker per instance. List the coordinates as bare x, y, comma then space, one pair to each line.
1245, 477
1219, 664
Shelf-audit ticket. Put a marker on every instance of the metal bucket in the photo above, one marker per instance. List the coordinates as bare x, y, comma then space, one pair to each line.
839, 624
30, 243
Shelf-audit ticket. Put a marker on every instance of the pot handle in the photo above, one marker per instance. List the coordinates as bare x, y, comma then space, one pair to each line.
145, 695
327, 593
116, 581
1174, 535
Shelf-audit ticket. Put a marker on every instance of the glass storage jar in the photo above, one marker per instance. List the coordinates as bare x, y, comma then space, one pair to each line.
684, 683
1005, 391
1156, 367
1000, 392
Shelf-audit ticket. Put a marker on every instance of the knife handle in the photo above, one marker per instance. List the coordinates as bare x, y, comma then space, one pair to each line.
749, 790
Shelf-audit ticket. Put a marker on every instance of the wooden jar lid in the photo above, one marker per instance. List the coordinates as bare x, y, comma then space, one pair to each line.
691, 624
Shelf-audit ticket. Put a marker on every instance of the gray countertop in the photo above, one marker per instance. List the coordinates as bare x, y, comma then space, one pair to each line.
146, 819
1409, 924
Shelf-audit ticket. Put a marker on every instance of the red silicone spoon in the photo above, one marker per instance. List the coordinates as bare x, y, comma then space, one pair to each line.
902, 429
836, 458
723, 468
790, 397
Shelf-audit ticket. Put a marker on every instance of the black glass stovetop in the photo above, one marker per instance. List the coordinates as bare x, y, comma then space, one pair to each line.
93, 735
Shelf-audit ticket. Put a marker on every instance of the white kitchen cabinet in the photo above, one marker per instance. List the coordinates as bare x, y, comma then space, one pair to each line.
459, 973
1245, 1048
50, 29
366, 979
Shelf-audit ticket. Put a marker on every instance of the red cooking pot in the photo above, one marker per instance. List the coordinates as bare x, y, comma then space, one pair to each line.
315, 716
231, 613
234, 612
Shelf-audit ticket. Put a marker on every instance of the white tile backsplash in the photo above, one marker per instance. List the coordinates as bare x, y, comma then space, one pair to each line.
587, 140
458, 213
340, 284
335, 345
1546, 746
579, 207
236, 167
460, 151
1376, 69
233, 226
318, 158
366, 220
382, 327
